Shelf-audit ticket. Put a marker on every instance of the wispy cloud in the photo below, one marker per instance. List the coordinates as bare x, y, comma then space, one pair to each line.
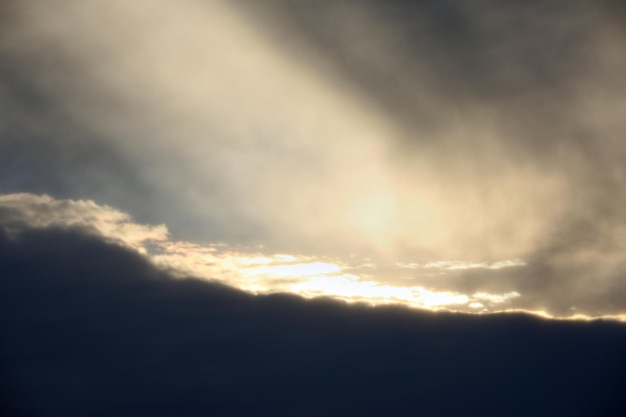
459, 265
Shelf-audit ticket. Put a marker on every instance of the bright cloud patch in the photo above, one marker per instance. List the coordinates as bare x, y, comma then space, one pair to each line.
18, 210
258, 272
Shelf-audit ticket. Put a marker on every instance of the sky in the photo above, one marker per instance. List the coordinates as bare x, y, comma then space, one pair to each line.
352, 164
419, 147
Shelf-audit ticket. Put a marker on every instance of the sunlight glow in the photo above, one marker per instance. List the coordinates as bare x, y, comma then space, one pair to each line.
353, 279
310, 277
299, 270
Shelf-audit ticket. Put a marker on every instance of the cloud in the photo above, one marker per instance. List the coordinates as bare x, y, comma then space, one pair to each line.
509, 285
19, 211
359, 142
404, 132
455, 265
242, 268
214, 131
511, 139
91, 327
450, 125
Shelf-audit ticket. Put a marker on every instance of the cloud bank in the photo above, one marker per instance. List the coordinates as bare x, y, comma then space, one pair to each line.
258, 271
90, 327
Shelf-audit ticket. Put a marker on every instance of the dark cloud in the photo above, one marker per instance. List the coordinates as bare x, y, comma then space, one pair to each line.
90, 328
409, 53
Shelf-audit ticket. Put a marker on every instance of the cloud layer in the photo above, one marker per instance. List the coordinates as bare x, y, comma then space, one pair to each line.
410, 133
89, 327
433, 286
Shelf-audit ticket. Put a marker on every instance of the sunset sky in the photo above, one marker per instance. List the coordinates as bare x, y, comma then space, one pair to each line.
446, 156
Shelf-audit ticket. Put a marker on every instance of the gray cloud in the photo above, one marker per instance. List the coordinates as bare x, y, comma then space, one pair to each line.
44, 148
519, 105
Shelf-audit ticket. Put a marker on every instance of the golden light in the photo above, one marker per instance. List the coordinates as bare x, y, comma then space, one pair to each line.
300, 270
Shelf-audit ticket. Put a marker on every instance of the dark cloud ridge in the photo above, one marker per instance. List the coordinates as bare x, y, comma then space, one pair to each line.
90, 328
